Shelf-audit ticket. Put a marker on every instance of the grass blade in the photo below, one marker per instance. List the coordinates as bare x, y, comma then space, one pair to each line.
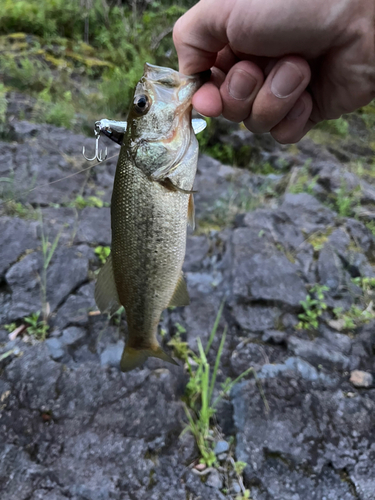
217, 362
214, 328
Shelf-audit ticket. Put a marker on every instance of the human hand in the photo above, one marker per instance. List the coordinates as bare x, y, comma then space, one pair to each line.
280, 66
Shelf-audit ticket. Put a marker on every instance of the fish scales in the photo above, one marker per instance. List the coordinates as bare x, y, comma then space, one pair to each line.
151, 206
148, 244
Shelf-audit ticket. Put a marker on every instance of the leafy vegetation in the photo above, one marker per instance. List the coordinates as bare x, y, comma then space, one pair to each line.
80, 61
91, 201
313, 307
302, 182
354, 317
346, 200
339, 127
10, 327
102, 253
36, 327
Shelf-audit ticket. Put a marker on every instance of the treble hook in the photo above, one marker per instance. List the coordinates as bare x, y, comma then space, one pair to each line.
98, 154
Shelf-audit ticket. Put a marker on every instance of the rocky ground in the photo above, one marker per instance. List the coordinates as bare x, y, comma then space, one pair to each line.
72, 426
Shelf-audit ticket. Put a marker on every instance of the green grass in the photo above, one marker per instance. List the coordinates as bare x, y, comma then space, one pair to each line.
200, 404
48, 250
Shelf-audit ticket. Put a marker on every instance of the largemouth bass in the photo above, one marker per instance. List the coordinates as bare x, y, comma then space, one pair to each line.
152, 202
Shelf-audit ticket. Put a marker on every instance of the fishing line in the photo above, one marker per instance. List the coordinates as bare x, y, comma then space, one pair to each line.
58, 180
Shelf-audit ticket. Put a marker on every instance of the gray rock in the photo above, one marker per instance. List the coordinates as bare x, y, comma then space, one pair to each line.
221, 447
17, 236
112, 354
260, 272
317, 428
274, 336
56, 348
72, 336
362, 236
74, 311
297, 366
24, 130
246, 356
330, 268
103, 422
196, 250
278, 225
255, 318
66, 271
94, 226
214, 480
318, 353
307, 213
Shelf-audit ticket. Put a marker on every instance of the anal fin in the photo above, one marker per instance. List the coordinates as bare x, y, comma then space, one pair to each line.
180, 295
106, 296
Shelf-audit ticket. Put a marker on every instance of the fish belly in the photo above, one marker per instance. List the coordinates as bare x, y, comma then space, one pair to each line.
148, 247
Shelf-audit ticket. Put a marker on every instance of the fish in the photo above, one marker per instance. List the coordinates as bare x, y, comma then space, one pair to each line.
152, 204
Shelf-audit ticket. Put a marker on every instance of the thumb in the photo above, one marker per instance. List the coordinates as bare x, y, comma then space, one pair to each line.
200, 34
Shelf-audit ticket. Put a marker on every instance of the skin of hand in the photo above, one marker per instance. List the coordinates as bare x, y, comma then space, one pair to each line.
280, 66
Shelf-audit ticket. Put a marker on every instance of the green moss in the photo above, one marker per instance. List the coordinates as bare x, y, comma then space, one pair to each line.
339, 127
319, 238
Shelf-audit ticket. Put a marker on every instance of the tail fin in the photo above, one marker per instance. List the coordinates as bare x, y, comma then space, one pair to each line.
132, 358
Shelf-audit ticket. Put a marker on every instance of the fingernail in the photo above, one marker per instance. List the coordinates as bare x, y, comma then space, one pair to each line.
241, 85
286, 80
296, 110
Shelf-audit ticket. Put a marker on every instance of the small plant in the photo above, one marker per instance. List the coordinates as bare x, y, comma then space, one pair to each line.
245, 495
200, 405
339, 127
365, 283
37, 328
354, 317
92, 201
10, 327
371, 227
239, 467
48, 250
102, 253
302, 182
313, 306
181, 348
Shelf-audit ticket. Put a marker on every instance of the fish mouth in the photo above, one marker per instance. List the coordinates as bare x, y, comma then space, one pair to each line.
185, 85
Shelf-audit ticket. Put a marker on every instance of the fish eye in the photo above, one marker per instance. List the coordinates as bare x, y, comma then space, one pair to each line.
141, 104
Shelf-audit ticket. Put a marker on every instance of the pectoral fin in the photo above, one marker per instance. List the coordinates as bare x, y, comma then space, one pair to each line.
133, 358
106, 296
168, 184
198, 125
180, 295
191, 212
